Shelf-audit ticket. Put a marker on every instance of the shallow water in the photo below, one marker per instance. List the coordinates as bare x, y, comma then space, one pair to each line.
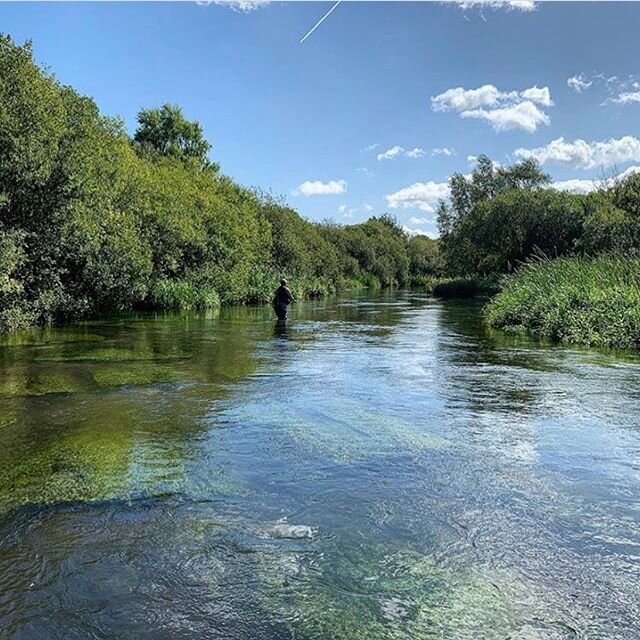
383, 468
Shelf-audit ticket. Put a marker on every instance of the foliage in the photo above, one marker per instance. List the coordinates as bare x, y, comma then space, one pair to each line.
501, 232
465, 287
584, 301
379, 247
424, 257
165, 131
178, 294
498, 217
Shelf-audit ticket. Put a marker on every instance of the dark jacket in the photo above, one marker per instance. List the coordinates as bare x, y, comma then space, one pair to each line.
283, 296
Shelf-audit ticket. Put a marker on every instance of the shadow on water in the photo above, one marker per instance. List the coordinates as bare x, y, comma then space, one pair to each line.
381, 466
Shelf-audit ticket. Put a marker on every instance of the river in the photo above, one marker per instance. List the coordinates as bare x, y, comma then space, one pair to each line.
382, 468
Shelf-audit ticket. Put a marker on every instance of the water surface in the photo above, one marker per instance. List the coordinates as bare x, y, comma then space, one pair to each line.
381, 468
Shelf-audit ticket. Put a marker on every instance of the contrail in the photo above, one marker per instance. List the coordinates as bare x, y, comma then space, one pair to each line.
317, 24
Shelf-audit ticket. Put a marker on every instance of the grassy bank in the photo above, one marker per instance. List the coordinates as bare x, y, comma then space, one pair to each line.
575, 300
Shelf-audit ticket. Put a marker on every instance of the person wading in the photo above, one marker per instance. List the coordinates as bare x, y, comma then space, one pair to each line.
281, 299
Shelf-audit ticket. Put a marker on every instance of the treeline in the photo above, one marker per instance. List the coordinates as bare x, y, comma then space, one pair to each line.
498, 217
568, 265
94, 220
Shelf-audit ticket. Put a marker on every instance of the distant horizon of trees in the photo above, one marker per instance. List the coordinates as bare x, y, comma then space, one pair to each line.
499, 217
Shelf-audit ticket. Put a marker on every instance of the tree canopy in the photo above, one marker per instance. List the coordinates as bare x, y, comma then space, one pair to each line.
167, 132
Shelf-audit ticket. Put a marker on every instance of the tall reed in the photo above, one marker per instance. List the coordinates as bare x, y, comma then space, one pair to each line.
590, 301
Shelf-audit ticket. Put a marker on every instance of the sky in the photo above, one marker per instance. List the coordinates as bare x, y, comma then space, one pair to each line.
377, 107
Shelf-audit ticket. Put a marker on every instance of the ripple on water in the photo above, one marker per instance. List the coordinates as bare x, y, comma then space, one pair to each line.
381, 469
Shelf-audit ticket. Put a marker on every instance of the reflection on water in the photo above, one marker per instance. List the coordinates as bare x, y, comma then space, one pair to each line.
379, 467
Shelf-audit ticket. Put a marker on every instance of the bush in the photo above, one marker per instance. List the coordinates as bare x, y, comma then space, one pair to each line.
575, 300
465, 287
424, 283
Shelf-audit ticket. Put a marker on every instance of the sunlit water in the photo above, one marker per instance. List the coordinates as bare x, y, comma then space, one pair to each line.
383, 468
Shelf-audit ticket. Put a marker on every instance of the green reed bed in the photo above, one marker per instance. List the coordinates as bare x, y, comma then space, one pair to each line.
575, 300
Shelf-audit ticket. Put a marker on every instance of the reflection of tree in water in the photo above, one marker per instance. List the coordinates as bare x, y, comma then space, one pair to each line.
86, 405
487, 371
114, 408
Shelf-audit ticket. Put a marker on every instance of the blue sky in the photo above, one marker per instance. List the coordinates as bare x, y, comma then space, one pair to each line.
429, 84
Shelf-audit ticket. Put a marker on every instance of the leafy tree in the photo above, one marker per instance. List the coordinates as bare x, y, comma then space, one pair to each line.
167, 132
424, 256
467, 244
625, 194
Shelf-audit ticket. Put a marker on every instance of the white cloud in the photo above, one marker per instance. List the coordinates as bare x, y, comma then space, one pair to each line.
621, 90
575, 186
347, 211
391, 153
419, 232
367, 207
472, 159
541, 95
443, 151
524, 115
587, 186
244, 6
460, 99
627, 172
371, 147
416, 152
510, 5
318, 188
586, 155
607, 80
504, 110
627, 97
414, 220
366, 171
579, 83
397, 151
420, 195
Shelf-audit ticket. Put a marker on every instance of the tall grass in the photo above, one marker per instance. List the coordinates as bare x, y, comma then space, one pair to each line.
576, 300
181, 295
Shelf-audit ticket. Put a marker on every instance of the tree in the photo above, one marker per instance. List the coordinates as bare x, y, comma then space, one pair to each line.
467, 244
165, 131
523, 175
424, 256
488, 180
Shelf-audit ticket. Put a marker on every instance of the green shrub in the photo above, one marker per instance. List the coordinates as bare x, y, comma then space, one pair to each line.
465, 287
424, 283
14, 318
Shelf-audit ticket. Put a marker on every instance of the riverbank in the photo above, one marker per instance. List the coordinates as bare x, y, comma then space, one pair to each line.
94, 220
594, 302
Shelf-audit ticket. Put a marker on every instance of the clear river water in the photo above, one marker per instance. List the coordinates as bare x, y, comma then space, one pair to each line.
382, 468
